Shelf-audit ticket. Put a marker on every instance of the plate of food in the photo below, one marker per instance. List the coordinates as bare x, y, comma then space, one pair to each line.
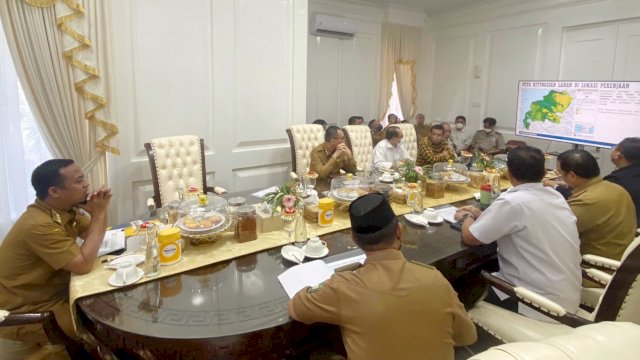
202, 222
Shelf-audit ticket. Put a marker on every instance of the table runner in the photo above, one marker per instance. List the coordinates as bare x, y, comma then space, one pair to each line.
226, 248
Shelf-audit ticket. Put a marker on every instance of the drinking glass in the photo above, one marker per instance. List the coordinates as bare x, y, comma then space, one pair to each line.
311, 183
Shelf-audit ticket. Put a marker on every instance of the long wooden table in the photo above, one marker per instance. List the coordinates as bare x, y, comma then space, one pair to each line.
238, 309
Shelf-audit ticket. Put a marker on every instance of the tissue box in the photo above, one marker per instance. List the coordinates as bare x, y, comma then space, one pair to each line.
398, 196
267, 222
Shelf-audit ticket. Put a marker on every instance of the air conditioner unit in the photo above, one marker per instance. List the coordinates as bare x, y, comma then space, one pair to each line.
326, 25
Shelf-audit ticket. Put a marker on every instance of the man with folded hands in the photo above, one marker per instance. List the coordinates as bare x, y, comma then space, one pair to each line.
40, 251
328, 158
538, 244
389, 308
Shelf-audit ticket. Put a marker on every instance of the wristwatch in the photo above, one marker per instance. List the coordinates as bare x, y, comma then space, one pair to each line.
465, 216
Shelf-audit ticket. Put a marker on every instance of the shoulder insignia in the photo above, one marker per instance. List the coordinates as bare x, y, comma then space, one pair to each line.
421, 264
56, 217
313, 289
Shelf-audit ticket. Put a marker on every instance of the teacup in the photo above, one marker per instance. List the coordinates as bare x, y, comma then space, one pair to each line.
430, 214
126, 273
386, 177
315, 246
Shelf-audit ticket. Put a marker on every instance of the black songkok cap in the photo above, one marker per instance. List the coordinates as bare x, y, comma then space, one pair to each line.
370, 213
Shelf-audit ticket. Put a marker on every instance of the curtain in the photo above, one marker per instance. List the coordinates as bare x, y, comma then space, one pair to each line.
57, 53
399, 51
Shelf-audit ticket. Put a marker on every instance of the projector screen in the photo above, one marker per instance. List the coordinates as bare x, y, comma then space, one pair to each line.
595, 113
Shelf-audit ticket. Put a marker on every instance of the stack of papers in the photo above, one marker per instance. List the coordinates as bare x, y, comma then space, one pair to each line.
113, 241
303, 275
447, 212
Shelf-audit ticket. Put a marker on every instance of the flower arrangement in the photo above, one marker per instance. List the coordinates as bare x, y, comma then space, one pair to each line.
284, 199
484, 161
412, 173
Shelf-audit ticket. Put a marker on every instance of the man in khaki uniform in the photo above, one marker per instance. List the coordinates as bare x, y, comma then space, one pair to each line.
422, 130
389, 308
488, 140
605, 212
40, 251
328, 158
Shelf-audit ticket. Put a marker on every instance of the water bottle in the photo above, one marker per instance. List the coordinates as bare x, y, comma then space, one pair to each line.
152, 257
485, 196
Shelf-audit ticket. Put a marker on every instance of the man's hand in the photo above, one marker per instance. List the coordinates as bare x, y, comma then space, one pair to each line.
98, 202
343, 149
552, 183
469, 209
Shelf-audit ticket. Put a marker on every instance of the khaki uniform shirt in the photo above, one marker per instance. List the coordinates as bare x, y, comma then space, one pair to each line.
377, 136
390, 309
486, 142
422, 131
429, 154
606, 218
32, 255
327, 167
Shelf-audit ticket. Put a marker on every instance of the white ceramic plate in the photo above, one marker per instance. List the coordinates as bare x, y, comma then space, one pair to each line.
114, 282
136, 259
322, 254
292, 253
421, 220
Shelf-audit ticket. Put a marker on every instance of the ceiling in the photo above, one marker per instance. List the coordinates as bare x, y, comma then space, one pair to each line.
434, 7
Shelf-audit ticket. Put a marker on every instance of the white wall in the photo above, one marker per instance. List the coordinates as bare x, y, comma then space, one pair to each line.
344, 74
231, 72
477, 56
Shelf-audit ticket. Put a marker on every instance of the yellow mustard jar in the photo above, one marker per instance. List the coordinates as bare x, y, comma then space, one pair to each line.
325, 212
169, 246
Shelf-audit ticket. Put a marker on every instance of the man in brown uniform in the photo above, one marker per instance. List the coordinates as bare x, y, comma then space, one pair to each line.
40, 251
605, 212
422, 130
328, 158
389, 308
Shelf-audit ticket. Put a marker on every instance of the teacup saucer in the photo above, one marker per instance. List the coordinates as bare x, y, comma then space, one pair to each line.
324, 253
113, 282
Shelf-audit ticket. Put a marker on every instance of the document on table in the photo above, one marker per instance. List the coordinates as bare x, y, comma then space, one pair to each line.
261, 193
447, 212
306, 274
113, 241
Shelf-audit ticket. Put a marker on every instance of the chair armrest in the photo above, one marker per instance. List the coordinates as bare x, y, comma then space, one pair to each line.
216, 190
601, 262
598, 276
14, 319
293, 175
151, 204
536, 302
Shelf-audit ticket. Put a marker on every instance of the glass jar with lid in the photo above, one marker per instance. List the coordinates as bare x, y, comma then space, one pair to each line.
246, 224
435, 186
476, 177
233, 204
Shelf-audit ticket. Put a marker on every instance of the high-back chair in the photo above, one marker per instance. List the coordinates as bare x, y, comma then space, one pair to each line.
177, 162
358, 139
410, 139
302, 139
620, 302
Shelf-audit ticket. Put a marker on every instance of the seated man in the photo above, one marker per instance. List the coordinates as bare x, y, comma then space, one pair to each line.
389, 308
320, 122
392, 119
422, 130
40, 251
356, 120
447, 137
329, 157
389, 152
606, 214
538, 244
460, 135
626, 157
433, 148
488, 140
377, 133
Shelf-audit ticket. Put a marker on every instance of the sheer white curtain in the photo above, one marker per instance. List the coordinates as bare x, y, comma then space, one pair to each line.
21, 146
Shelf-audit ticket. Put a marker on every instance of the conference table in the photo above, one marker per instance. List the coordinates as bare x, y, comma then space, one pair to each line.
238, 309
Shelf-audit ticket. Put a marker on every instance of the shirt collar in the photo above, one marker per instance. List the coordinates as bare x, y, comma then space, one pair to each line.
59, 216
382, 255
535, 185
389, 144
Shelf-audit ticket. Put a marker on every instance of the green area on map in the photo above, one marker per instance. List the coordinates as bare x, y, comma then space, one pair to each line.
549, 108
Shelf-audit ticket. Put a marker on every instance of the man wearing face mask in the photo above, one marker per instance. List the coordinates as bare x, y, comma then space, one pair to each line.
488, 140
460, 135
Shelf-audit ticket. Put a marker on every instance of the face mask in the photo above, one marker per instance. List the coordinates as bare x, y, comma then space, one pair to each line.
459, 126
488, 131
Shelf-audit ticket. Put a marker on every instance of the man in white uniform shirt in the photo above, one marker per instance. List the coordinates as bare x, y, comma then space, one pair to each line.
536, 232
390, 151
460, 136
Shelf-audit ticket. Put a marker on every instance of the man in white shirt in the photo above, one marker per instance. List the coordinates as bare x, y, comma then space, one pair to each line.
390, 151
460, 136
536, 232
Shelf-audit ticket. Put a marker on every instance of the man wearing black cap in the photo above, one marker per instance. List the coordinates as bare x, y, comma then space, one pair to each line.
389, 308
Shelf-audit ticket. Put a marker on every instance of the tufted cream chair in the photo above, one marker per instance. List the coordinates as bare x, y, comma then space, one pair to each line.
358, 139
176, 161
410, 139
620, 302
302, 139
605, 340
